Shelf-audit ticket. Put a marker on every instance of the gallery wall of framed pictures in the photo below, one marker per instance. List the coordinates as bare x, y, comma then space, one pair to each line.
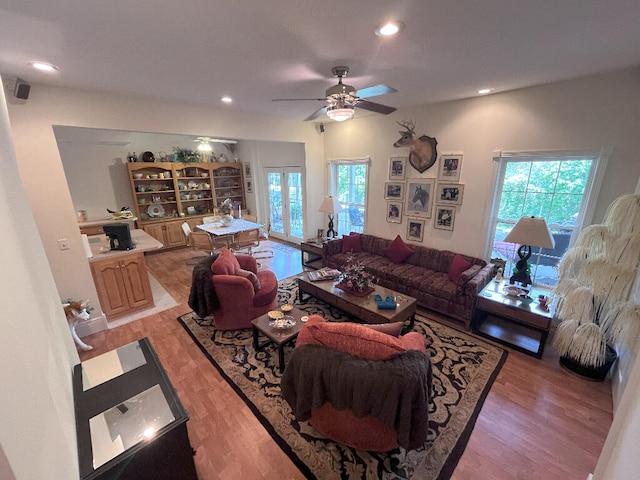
420, 199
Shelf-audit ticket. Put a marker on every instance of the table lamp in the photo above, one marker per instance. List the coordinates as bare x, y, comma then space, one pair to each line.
528, 232
330, 206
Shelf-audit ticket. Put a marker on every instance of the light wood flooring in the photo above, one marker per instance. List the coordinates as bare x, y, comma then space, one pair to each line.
538, 421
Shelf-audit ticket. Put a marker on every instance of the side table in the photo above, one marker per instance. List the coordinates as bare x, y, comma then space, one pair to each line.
278, 337
509, 321
312, 254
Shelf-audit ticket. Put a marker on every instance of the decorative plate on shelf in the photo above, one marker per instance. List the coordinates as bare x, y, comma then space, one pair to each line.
155, 211
192, 184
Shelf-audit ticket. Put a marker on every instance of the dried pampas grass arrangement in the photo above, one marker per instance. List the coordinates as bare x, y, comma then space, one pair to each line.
596, 276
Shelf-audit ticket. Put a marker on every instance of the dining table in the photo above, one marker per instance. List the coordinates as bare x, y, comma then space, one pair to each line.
227, 231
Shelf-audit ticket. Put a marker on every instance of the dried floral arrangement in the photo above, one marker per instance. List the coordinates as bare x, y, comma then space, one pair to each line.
593, 292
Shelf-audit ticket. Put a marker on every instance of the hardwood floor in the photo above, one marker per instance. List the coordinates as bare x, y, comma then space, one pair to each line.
538, 422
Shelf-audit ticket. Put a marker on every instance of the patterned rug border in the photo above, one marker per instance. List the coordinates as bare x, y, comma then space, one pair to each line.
254, 409
452, 457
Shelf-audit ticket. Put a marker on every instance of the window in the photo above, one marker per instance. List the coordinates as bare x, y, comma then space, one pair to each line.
348, 183
558, 188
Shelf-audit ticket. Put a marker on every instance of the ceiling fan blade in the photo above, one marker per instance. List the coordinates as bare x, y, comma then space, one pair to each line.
375, 107
374, 91
316, 114
297, 99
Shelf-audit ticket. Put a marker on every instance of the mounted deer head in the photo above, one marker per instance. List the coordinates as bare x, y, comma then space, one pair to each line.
422, 151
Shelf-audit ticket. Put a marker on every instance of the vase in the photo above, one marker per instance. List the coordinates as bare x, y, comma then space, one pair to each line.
596, 374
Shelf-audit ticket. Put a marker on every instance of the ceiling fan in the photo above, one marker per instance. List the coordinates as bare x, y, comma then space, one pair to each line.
342, 99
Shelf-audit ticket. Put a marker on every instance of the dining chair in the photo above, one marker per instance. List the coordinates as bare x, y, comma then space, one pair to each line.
199, 241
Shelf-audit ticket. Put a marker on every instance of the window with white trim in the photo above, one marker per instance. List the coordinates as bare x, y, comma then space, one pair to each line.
348, 183
560, 188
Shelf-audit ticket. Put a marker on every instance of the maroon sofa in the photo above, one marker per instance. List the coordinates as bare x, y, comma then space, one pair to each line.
424, 274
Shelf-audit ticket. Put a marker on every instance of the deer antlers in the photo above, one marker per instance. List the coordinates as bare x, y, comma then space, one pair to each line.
409, 125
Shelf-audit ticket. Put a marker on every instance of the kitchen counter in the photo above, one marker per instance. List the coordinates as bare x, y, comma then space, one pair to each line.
100, 246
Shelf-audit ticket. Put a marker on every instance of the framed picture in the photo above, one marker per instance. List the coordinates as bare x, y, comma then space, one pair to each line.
445, 218
420, 196
249, 186
394, 190
450, 167
415, 230
247, 170
394, 212
397, 167
449, 193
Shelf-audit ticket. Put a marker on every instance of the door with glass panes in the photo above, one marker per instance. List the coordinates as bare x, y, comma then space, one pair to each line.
285, 190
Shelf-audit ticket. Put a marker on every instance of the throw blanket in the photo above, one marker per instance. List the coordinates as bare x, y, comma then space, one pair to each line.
395, 391
202, 297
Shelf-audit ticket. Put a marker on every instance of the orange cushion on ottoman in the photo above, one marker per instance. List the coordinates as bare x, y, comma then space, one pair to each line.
351, 338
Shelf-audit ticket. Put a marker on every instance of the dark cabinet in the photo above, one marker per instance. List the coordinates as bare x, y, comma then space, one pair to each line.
130, 422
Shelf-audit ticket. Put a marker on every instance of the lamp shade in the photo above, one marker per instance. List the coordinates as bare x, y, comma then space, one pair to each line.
330, 205
531, 231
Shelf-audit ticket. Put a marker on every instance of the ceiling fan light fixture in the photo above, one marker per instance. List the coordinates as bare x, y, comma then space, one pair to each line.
43, 66
340, 114
388, 29
204, 147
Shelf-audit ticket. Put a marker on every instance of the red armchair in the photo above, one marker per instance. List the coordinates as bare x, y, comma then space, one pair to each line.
360, 387
243, 292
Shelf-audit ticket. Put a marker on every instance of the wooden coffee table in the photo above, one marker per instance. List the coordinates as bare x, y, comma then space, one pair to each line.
363, 308
276, 336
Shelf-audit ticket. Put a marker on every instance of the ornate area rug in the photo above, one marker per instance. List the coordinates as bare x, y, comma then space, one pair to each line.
464, 369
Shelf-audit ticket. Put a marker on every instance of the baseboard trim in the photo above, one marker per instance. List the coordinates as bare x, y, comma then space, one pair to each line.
91, 326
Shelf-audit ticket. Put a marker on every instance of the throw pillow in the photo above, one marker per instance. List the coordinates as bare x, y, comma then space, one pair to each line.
458, 265
394, 329
398, 251
351, 243
225, 264
249, 275
351, 338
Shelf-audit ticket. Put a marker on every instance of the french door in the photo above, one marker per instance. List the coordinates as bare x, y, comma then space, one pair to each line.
284, 187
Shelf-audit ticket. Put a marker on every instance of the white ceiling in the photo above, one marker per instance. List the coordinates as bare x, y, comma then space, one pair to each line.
196, 51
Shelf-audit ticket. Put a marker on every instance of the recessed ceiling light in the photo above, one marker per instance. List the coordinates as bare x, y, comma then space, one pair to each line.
484, 91
226, 99
389, 28
44, 66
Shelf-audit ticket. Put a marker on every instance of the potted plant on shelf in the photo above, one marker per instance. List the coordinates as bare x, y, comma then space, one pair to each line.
593, 291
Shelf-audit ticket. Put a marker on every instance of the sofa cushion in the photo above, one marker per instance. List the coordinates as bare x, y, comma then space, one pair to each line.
351, 338
225, 264
398, 251
458, 265
249, 275
351, 243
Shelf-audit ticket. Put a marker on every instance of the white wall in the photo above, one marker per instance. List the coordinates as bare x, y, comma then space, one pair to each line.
44, 178
37, 421
585, 114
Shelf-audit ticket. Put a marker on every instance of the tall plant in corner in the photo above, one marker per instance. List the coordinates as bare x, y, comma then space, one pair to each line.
596, 276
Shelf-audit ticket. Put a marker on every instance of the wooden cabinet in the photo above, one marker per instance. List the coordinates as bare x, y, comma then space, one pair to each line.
169, 233
167, 193
122, 284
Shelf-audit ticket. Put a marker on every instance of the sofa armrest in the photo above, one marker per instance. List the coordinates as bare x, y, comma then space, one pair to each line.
332, 247
480, 280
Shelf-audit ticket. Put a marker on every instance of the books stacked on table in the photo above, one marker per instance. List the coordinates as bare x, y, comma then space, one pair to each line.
325, 273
